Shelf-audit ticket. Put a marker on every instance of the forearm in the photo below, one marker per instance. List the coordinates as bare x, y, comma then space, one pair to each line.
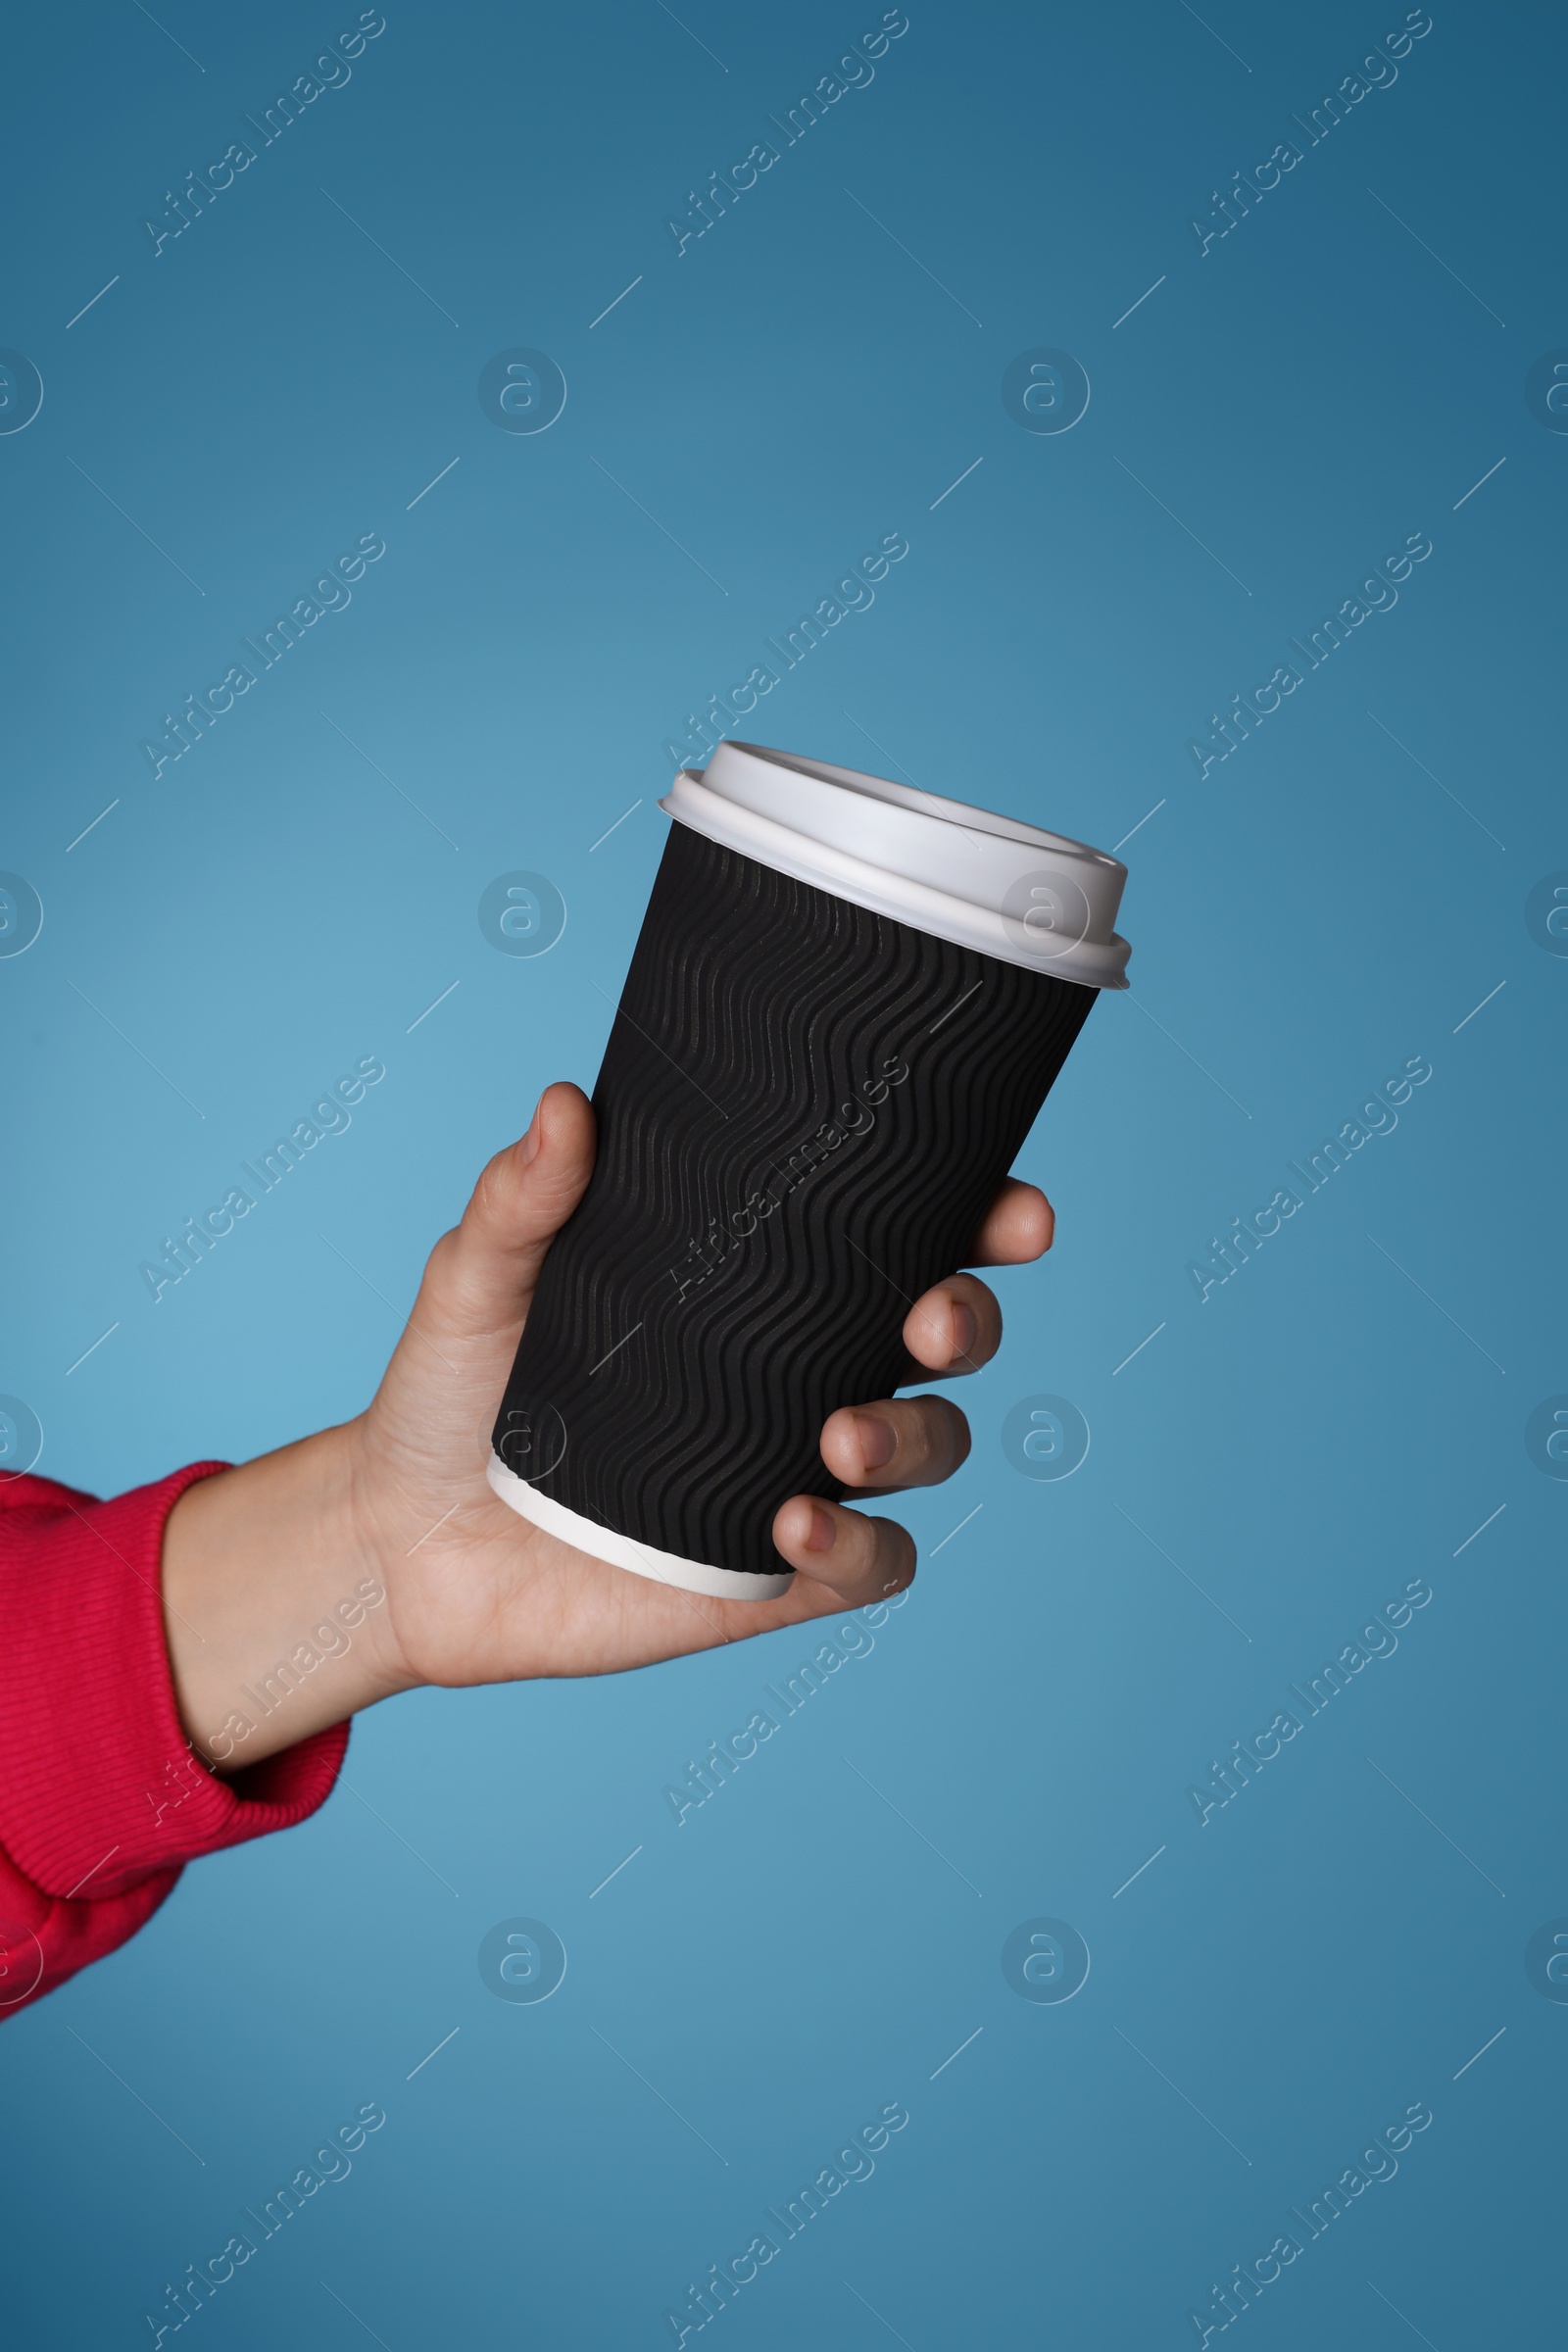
275, 1602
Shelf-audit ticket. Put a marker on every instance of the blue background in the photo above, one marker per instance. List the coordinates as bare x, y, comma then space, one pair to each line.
1281, 1982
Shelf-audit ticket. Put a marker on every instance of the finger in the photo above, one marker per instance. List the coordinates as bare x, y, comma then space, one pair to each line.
841, 1560
900, 1441
481, 1275
1019, 1225
956, 1327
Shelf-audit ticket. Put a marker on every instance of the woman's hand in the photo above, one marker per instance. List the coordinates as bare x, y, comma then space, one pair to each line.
397, 1501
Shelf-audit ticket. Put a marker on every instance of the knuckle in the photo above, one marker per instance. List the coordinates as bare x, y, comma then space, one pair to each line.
940, 1431
921, 1431
495, 1191
866, 1541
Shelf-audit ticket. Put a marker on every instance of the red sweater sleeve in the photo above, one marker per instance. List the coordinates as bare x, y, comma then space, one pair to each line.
102, 1800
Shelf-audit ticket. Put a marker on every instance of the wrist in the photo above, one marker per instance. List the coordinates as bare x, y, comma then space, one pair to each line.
275, 1601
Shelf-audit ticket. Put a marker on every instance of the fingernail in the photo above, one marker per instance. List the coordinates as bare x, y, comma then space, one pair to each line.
878, 1442
823, 1532
964, 1329
529, 1145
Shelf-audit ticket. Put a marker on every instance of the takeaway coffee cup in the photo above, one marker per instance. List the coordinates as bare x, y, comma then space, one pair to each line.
848, 1001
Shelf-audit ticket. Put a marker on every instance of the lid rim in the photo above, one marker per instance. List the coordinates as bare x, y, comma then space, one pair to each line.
963, 923
915, 801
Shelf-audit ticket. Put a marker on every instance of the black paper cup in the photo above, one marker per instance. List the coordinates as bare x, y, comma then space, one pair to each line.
848, 1001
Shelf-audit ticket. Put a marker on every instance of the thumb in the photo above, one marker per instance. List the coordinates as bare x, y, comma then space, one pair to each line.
481, 1276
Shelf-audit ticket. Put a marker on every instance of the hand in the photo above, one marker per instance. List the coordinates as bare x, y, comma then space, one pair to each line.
473, 1592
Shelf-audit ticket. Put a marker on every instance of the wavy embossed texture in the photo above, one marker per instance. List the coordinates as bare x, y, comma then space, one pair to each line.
803, 1111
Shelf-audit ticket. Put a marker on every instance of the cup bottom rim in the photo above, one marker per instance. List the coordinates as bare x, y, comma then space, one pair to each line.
624, 1551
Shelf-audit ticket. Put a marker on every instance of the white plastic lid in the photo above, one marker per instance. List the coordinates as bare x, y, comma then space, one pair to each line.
1024, 895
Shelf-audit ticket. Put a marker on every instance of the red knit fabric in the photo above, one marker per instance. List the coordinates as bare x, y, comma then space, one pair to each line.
102, 1800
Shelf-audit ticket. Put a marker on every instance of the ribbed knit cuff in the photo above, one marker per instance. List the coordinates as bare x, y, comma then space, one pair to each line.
99, 1787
